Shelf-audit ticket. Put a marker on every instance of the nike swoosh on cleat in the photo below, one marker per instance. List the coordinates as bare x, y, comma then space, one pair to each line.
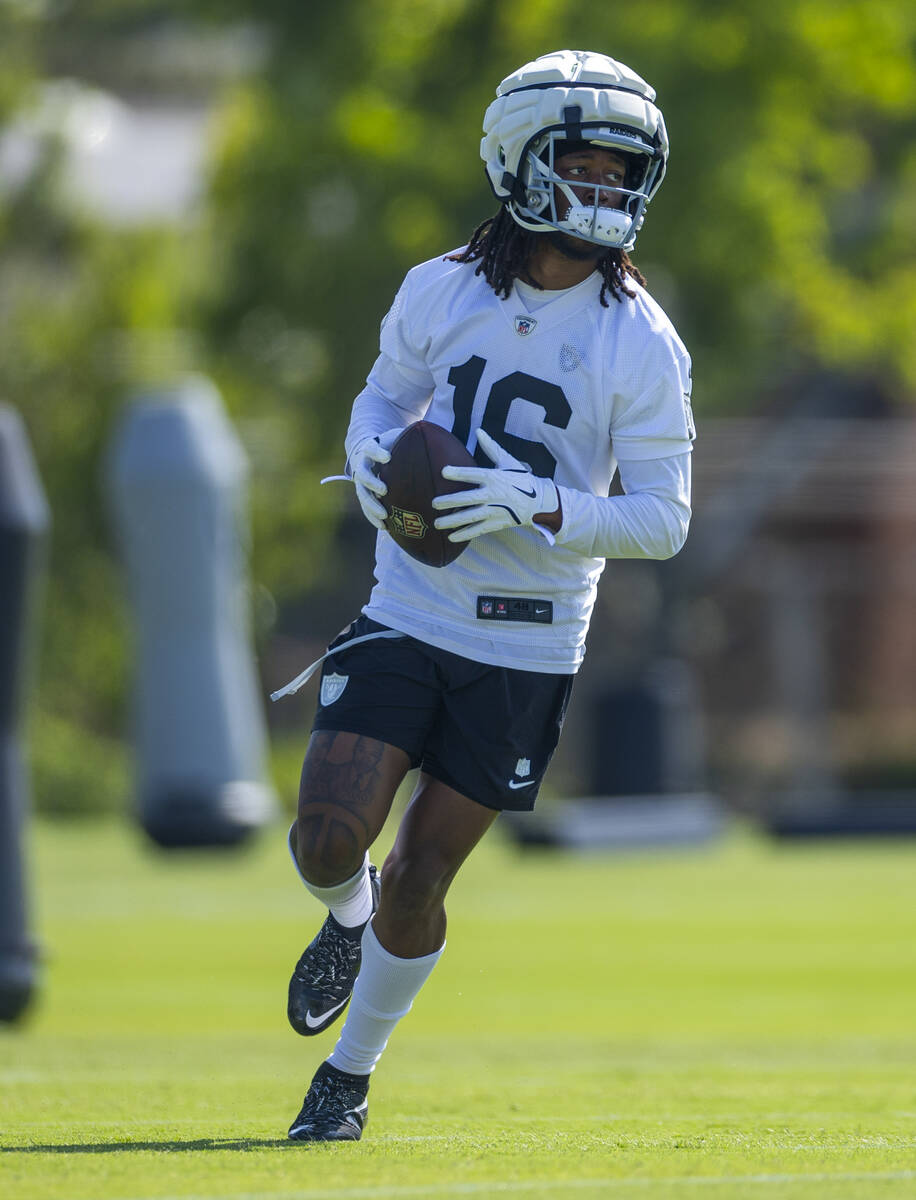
314, 1022
524, 783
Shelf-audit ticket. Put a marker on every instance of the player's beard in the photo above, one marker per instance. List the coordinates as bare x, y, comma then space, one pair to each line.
576, 249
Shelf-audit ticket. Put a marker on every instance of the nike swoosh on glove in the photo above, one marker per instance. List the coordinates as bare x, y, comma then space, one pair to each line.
508, 495
370, 454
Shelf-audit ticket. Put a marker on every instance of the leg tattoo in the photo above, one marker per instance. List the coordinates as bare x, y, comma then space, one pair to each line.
344, 797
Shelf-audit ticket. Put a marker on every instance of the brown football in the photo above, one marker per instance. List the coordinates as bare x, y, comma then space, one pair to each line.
413, 477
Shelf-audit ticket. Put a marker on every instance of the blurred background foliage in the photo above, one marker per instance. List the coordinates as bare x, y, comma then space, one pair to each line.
342, 148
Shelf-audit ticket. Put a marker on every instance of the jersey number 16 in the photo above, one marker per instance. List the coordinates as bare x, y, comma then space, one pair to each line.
517, 386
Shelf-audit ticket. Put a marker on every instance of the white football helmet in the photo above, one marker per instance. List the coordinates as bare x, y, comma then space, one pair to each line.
574, 96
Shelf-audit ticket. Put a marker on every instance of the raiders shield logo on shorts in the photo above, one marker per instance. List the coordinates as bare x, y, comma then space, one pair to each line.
332, 687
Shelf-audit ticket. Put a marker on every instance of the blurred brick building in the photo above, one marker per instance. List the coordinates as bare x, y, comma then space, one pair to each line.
794, 605
782, 638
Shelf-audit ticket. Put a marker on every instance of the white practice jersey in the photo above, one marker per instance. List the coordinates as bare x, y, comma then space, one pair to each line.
568, 386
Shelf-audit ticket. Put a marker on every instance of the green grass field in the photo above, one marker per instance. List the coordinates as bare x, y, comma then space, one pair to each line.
738, 1021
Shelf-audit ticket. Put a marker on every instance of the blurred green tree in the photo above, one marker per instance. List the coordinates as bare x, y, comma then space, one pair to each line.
83, 308
783, 242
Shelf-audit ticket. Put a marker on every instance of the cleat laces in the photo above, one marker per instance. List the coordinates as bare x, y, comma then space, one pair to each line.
335, 1106
332, 961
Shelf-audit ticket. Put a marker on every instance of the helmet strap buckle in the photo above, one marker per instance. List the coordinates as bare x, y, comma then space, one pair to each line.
572, 119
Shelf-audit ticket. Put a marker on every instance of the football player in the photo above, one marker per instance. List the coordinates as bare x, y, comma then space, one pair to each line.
538, 345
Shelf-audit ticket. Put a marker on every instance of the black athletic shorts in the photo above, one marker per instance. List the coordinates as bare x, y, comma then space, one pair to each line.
488, 732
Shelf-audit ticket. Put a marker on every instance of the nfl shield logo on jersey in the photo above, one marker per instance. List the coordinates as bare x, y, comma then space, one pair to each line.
332, 687
524, 325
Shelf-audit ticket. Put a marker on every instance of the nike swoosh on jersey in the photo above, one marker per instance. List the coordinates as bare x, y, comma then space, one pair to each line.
313, 1022
514, 783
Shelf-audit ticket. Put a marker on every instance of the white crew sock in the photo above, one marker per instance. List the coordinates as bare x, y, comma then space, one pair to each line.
350, 902
384, 992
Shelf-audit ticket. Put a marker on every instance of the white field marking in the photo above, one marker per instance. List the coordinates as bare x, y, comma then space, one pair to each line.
558, 1118
711, 1118
800, 1118
547, 1185
165, 1124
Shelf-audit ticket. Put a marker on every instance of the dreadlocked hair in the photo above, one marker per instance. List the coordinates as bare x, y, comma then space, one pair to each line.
502, 248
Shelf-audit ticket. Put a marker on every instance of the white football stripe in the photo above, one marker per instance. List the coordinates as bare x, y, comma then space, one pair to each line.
513, 1186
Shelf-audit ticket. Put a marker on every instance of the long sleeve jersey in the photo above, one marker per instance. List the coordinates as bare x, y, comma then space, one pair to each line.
567, 385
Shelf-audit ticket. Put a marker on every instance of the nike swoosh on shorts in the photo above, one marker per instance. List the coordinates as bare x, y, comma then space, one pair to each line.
524, 783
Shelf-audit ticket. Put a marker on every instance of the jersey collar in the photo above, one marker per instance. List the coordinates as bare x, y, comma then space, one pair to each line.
560, 306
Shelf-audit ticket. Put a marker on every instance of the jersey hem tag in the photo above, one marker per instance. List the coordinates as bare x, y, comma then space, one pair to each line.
514, 608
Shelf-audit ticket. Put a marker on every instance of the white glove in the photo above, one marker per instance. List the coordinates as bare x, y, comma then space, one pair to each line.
367, 456
508, 495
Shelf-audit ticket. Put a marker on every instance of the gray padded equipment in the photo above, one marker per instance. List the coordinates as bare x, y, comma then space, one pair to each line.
177, 476
24, 523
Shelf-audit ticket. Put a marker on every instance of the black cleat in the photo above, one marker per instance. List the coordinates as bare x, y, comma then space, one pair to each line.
335, 1108
324, 976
